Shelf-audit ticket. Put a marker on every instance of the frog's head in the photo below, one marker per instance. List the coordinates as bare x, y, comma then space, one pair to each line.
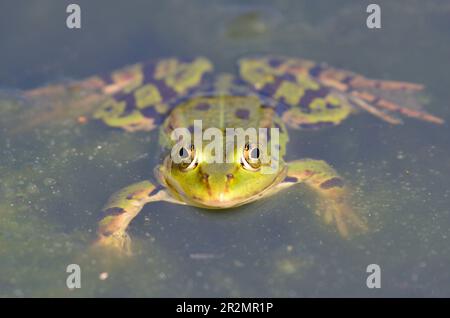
202, 181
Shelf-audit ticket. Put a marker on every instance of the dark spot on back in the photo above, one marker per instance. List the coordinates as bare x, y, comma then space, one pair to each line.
242, 113
332, 106
282, 107
290, 179
271, 89
311, 94
166, 92
288, 77
347, 80
156, 190
203, 107
332, 183
107, 79
148, 69
274, 62
114, 211
316, 70
149, 112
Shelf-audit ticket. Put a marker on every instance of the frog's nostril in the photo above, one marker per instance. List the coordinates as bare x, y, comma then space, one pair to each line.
205, 176
230, 176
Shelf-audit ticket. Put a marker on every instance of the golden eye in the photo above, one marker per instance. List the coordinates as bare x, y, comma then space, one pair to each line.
186, 158
251, 157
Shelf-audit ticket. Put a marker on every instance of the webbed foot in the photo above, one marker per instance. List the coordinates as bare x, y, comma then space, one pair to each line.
118, 242
342, 216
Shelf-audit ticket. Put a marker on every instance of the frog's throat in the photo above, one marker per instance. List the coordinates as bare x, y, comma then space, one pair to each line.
177, 192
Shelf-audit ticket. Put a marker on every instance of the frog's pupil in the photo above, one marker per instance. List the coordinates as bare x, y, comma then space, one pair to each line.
254, 154
183, 153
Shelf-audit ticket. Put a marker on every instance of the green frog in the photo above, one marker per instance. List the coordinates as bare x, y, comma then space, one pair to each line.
267, 92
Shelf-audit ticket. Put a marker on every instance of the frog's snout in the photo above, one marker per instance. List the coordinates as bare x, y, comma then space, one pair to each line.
217, 179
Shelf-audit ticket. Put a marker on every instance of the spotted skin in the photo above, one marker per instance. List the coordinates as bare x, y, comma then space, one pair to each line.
315, 95
142, 92
271, 93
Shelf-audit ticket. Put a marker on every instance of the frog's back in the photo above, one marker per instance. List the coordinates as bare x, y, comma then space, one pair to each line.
223, 106
222, 111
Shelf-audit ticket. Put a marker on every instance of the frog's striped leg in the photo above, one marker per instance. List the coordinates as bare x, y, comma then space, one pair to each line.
333, 206
136, 97
383, 98
121, 209
142, 94
59, 102
75, 99
312, 95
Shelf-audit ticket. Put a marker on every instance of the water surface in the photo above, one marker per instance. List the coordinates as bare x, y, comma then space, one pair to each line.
56, 177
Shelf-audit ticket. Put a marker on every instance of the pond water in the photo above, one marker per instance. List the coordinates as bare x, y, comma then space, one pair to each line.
57, 174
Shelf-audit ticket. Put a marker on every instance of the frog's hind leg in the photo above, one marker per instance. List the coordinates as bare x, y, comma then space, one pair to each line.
383, 98
133, 98
57, 103
313, 95
333, 205
301, 100
77, 100
387, 109
143, 102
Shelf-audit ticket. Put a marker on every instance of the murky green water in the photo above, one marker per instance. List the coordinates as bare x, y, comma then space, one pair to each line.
56, 177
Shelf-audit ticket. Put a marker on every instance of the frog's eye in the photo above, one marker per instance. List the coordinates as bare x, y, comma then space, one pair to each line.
184, 153
251, 157
187, 158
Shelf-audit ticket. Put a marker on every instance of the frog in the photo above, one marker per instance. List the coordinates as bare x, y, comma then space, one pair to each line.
273, 92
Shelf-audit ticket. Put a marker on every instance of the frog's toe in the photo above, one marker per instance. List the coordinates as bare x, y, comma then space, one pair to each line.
347, 222
117, 242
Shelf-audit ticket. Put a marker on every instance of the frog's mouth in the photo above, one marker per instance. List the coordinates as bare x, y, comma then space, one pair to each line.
222, 202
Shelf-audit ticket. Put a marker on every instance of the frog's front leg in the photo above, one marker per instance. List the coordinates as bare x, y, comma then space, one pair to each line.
333, 206
121, 209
